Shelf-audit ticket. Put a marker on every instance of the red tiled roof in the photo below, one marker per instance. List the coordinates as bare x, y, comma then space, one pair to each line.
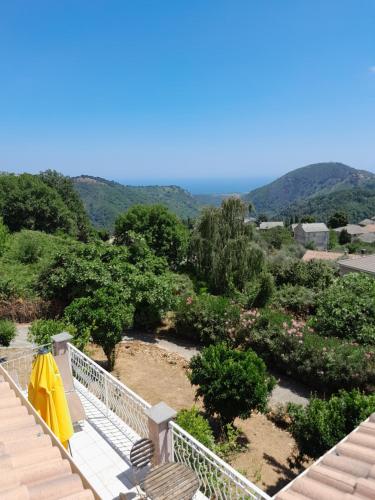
32, 465
347, 472
317, 255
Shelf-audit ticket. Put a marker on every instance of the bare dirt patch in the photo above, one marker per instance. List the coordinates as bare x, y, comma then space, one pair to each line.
158, 375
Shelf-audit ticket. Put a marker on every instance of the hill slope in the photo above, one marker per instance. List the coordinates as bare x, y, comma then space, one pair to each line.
357, 202
302, 183
104, 200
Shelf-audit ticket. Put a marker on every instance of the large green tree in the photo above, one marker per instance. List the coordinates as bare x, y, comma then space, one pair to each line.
163, 232
222, 250
338, 219
65, 188
26, 202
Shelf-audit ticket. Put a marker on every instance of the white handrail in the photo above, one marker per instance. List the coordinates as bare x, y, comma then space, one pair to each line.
117, 399
215, 475
110, 376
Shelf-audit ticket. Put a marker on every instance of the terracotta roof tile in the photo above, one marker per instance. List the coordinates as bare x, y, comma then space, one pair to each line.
346, 472
32, 466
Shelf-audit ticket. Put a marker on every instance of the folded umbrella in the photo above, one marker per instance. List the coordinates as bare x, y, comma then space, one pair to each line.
46, 394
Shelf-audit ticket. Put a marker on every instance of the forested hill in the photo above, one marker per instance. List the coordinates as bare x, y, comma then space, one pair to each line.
104, 200
305, 182
357, 202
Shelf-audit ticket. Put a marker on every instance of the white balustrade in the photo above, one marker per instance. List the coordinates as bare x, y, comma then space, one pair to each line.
218, 480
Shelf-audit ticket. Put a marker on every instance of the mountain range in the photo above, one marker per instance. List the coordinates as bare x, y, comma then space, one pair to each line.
318, 189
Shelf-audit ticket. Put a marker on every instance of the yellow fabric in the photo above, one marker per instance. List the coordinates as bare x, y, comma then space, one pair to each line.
46, 393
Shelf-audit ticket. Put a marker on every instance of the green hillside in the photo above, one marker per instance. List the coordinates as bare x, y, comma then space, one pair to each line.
104, 200
302, 183
357, 202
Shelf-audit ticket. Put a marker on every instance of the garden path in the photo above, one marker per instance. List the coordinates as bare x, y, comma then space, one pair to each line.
287, 389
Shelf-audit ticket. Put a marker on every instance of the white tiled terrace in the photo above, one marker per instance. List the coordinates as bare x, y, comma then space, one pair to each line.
101, 449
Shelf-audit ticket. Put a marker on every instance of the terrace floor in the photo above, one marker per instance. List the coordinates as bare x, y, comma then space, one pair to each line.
101, 449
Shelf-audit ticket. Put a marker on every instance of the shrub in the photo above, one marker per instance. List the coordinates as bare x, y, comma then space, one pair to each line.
258, 292
194, 423
42, 330
347, 309
206, 318
322, 424
313, 274
232, 383
292, 347
7, 332
295, 298
28, 250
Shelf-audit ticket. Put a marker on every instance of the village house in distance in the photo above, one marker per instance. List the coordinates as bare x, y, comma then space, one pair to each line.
315, 234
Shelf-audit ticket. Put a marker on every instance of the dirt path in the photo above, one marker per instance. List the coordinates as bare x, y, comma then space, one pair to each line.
287, 389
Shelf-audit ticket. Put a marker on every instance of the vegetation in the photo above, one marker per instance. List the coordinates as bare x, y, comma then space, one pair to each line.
222, 250
105, 314
34, 202
338, 219
206, 318
106, 200
357, 202
292, 347
307, 184
347, 309
232, 383
7, 332
42, 330
162, 231
194, 423
322, 424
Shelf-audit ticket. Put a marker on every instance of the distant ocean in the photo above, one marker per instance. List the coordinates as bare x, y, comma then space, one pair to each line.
204, 186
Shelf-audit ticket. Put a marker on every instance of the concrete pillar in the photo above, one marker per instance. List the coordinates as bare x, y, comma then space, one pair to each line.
60, 343
159, 417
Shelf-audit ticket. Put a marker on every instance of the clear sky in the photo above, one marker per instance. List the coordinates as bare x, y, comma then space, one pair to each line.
186, 88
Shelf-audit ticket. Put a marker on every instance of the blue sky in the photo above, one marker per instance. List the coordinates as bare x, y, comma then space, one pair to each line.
139, 90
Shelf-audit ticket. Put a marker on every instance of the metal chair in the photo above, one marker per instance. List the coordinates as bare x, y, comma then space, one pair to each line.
140, 457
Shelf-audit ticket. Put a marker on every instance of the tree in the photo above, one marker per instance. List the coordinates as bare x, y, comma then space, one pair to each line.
338, 219
308, 219
261, 218
347, 309
163, 232
222, 251
344, 237
232, 383
65, 188
26, 202
106, 314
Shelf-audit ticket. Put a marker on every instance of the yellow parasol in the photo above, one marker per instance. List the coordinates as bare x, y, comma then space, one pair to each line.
46, 393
